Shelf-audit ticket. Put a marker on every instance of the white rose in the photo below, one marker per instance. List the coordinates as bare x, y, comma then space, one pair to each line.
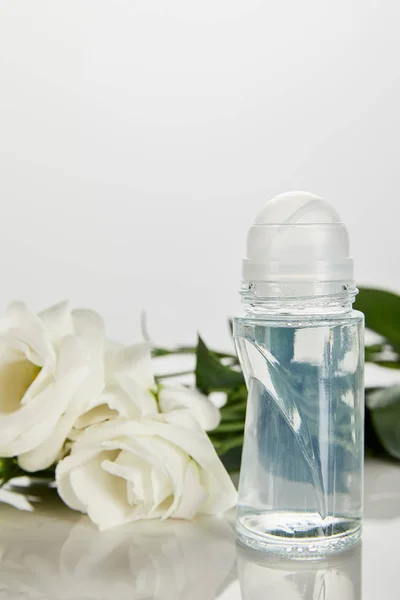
125, 470
51, 365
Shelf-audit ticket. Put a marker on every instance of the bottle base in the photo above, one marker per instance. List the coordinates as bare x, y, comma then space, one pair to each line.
298, 535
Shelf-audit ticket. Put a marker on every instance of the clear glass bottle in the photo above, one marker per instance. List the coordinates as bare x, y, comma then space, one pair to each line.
300, 345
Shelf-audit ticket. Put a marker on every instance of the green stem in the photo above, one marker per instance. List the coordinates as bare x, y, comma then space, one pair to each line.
179, 350
176, 374
188, 350
234, 418
223, 447
228, 427
236, 399
231, 412
230, 407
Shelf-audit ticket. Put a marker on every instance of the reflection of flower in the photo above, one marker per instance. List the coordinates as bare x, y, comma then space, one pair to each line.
50, 559
159, 467
50, 365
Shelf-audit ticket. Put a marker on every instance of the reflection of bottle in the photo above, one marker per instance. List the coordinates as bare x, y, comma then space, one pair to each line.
338, 578
300, 344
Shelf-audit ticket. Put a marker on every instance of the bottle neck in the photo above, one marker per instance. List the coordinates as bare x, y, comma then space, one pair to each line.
310, 298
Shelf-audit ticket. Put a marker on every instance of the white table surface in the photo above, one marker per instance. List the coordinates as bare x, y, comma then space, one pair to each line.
55, 553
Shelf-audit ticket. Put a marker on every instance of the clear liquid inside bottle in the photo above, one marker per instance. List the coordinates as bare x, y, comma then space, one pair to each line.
301, 482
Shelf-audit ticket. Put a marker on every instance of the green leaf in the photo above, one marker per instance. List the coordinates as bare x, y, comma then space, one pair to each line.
375, 349
9, 469
384, 409
383, 355
229, 451
388, 364
374, 352
211, 374
382, 312
228, 436
232, 458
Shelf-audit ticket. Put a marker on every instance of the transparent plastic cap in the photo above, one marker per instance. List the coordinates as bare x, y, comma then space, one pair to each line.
298, 237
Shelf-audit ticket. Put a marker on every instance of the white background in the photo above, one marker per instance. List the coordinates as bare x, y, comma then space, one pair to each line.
138, 139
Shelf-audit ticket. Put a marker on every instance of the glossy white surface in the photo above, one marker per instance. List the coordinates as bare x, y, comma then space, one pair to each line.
54, 554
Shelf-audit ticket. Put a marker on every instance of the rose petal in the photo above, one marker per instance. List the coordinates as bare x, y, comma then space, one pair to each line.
35, 421
140, 400
199, 447
95, 415
26, 333
89, 328
15, 378
47, 453
193, 496
132, 469
165, 458
58, 321
102, 494
176, 397
44, 378
134, 361
63, 480
119, 401
161, 488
